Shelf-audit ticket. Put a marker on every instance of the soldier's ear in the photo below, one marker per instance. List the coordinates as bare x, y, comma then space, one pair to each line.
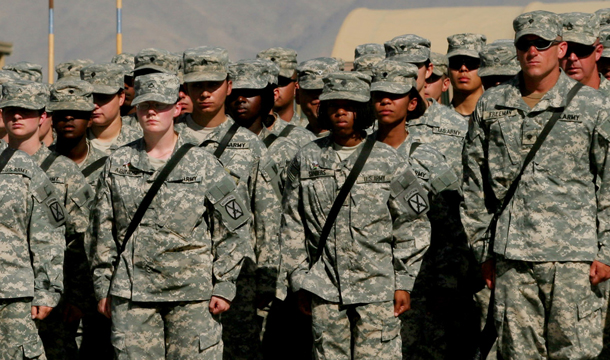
43, 118
121, 95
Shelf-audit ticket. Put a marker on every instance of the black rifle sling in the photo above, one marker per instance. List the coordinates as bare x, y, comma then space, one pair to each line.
340, 199
489, 334
269, 140
48, 161
150, 195
90, 169
5, 156
224, 142
284, 133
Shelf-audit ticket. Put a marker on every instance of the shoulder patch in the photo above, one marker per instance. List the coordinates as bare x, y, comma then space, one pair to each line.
56, 210
233, 211
407, 190
83, 196
495, 114
218, 191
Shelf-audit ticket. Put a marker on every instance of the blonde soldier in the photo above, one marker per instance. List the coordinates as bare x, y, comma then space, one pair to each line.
165, 283
438, 82
245, 158
108, 132
74, 193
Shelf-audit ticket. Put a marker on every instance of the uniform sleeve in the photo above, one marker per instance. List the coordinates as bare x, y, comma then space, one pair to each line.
47, 242
474, 212
230, 234
100, 244
599, 155
411, 230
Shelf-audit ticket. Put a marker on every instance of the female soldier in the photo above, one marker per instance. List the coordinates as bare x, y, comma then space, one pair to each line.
163, 284
361, 280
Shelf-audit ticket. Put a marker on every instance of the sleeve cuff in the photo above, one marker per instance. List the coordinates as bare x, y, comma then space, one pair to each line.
46, 298
296, 280
404, 282
603, 255
225, 290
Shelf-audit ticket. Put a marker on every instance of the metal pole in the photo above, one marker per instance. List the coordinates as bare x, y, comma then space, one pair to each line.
119, 34
51, 44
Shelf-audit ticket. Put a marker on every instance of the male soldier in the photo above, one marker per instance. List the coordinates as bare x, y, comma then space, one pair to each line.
75, 194
127, 61
549, 252
581, 32
310, 84
438, 82
604, 61
71, 69
498, 63
5, 76
33, 243
245, 158
107, 132
464, 62
26, 70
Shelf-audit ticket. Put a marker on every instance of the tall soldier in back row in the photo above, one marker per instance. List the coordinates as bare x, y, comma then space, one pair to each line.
550, 249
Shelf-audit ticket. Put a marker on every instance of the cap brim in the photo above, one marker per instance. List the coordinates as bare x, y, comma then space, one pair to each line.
345, 95
154, 67
288, 73
248, 85
579, 39
153, 97
311, 85
204, 76
392, 88
76, 106
409, 58
546, 35
464, 52
105, 89
22, 104
500, 70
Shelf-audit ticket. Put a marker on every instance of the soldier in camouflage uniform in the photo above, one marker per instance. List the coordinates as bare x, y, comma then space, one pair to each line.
71, 69
581, 32
464, 62
361, 283
439, 81
178, 270
128, 63
310, 75
366, 56
498, 63
604, 61
550, 245
5, 76
245, 158
33, 236
26, 70
108, 132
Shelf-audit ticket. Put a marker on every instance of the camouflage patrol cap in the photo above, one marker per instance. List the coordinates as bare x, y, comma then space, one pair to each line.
8, 75
346, 85
603, 15
126, 60
365, 63
26, 70
71, 94
158, 60
24, 94
205, 63
604, 38
499, 58
369, 49
159, 87
285, 58
177, 58
71, 68
251, 73
581, 28
544, 24
341, 63
412, 48
440, 62
465, 44
311, 72
273, 71
394, 77
106, 78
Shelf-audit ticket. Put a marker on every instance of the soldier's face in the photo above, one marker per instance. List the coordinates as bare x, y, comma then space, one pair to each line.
538, 64
391, 108
71, 124
209, 96
423, 73
580, 61
285, 92
107, 108
435, 86
185, 102
245, 105
156, 118
603, 65
309, 100
464, 74
130, 91
45, 126
341, 115
22, 123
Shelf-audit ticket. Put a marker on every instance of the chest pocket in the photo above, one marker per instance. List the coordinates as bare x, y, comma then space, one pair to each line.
320, 186
127, 190
13, 199
182, 205
369, 200
503, 143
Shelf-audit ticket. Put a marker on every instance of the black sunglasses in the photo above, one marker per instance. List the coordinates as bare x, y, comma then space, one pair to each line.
579, 50
540, 44
457, 62
284, 81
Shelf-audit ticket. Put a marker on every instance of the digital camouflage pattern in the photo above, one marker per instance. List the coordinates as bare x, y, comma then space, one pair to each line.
341, 63
26, 70
467, 44
544, 24
604, 86
363, 331
252, 74
580, 28
93, 155
205, 63
298, 135
71, 69
24, 94
411, 48
365, 63
285, 58
603, 15
499, 58
71, 94
369, 49
346, 85
604, 39
105, 78
381, 220
18, 333
126, 60
126, 135
158, 60
440, 62
281, 151
311, 72
273, 72
160, 87
6, 76
394, 77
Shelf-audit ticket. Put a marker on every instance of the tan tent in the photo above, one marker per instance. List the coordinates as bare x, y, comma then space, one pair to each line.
377, 26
